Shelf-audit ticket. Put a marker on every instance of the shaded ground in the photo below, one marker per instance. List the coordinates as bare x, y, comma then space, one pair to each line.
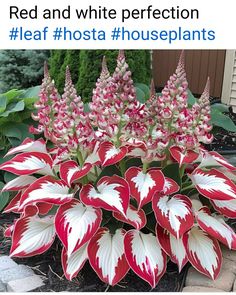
49, 266
224, 141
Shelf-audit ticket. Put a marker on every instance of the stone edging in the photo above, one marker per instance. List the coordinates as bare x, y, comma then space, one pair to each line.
17, 277
226, 281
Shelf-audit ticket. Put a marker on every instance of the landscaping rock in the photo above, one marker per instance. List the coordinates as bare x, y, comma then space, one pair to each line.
200, 289
229, 265
229, 254
6, 262
25, 285
15, 273
2, 287
234, 287
224, 281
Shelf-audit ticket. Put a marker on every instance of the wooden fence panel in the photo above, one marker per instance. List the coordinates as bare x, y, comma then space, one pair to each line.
199, 65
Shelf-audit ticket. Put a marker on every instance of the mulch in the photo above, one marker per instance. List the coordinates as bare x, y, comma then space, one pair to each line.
224, 141
48, 265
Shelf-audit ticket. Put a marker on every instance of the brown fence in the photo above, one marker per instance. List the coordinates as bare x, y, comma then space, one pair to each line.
199, 65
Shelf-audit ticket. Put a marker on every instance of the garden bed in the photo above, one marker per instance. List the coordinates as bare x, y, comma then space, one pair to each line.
224, 142
49, 266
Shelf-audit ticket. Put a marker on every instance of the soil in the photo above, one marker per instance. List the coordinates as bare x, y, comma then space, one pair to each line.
48, 265
224, 141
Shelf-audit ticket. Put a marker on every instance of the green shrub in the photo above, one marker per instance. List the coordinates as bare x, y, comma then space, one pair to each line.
16, 107
85, 66
21, 69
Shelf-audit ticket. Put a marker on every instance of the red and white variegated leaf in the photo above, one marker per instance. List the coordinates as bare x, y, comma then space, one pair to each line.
112, 193
172, 246
59, 155
76, 224
107, 257
70, 171
44, 208
170, 187
46, 189
8, 231
93, 158
136, 150
109, 154
145, 256
228, 173
173, 213
134, 217
14, 204
30, 210
144, 185
203, 252
32, 236
214, 159
183, 157
213, 184
29, 163
216, 227
227, 208
75, 262
19, 183
29, 145
196, 205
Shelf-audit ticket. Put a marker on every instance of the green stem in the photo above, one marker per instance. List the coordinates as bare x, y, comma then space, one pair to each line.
85, 179
122, 167
96, 171
145, 167
182, 170
187, 188
119, 134
80, 158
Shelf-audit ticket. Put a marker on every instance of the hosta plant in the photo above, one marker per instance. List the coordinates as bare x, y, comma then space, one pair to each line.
126, 185
15, 115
